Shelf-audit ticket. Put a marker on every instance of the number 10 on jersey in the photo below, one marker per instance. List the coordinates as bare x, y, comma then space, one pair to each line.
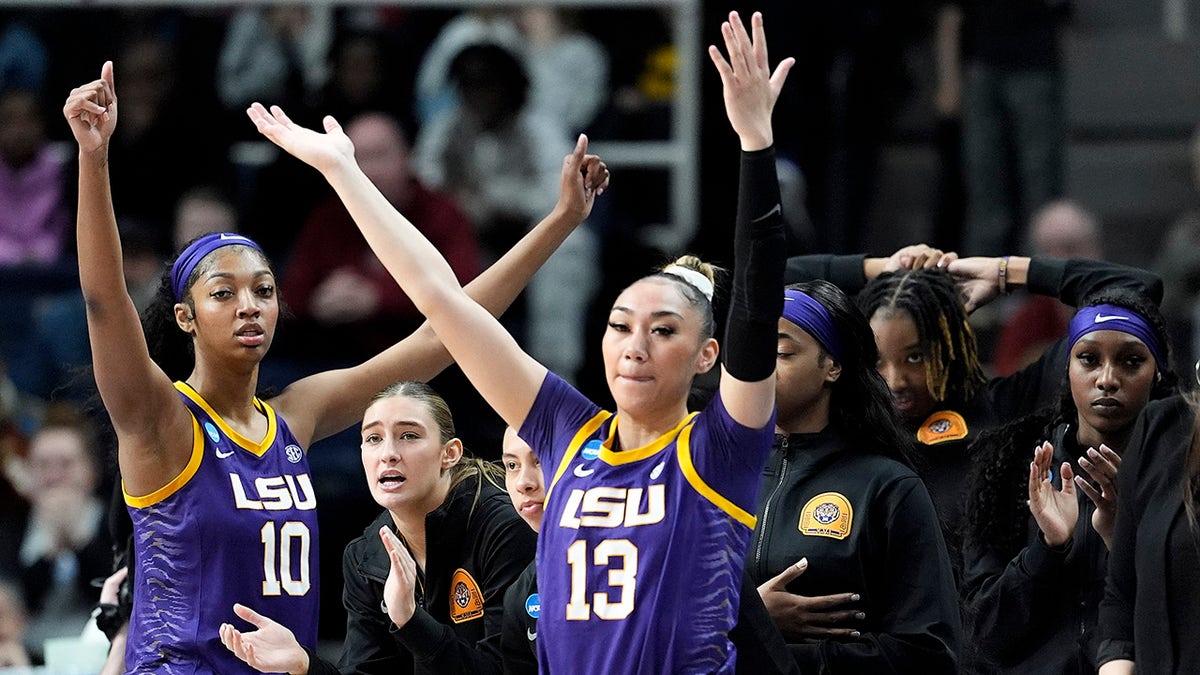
278, 575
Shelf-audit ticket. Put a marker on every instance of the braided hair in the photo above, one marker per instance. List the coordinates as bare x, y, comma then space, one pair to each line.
952, 369
860, 405
998, 507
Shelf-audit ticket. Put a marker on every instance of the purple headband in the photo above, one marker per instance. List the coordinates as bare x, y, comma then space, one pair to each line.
801, 309
1114, 317
195, 252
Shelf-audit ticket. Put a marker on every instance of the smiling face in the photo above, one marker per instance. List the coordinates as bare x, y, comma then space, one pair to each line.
653, 347
233, 306
406, 463
902, 364
523, 479
1111, 374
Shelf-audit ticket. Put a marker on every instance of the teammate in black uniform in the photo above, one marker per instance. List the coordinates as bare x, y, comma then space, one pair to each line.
1038, 535
842, 520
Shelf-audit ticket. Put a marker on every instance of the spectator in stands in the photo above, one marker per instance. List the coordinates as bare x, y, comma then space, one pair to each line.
1014, 132
568, 69
499, 159
279, 52
1178, 261
1061, 229
65, 544
34, 217
336, 285
202, 210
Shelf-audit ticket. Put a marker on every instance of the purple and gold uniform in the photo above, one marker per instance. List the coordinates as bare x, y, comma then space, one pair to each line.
641, 550
238, 524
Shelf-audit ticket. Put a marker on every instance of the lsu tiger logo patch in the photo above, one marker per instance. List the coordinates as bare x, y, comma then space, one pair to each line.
827, 515
944, 425
466, 601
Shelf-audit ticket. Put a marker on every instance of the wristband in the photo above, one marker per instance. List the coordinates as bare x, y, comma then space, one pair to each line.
1002, 275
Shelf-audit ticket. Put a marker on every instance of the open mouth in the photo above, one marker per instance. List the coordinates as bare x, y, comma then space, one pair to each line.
391, 480
251, 335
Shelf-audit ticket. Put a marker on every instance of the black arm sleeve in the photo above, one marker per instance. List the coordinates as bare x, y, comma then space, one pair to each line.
760, 255
1072, 281
843, 271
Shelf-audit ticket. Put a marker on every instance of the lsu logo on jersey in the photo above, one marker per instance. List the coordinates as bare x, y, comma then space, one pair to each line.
466, 601
941, 426
274, 493
608, 507
827, 515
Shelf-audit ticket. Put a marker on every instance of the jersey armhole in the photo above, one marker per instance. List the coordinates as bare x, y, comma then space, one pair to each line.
178, 481
683, 450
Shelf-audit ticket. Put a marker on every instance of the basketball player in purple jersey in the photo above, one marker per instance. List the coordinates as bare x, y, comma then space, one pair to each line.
649, 511
216, 479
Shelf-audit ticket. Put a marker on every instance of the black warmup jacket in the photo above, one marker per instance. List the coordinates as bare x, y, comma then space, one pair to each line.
943, 440
477, 546
1149, 612
867, 525
1036, 611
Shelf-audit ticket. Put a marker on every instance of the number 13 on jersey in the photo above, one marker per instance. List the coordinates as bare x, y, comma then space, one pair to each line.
620, 556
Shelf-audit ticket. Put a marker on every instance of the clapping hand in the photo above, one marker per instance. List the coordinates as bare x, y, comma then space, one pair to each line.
1056, 511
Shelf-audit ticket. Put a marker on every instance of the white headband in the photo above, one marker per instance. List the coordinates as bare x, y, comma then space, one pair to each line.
692, 278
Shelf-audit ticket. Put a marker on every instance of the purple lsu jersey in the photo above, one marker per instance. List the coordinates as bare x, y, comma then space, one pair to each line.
641, 551
237, 525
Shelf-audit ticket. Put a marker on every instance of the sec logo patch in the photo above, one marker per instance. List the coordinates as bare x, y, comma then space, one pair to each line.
827, 515
466, 602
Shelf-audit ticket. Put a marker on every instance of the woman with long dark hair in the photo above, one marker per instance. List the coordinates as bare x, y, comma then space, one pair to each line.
1038, 533
839, 469
216, 479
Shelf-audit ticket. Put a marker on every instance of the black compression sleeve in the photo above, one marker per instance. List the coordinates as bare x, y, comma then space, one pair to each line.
760, 256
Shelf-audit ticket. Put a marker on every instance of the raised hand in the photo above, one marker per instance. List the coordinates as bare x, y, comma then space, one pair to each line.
918, 257
399, 589
978, 279
270, 649
1056, 511
322, 151
748, 85
1101, 466
584, 177
91, 111
799, 616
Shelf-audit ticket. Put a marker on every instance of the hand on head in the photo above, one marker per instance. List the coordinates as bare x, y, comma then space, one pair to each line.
750, 88
91, 111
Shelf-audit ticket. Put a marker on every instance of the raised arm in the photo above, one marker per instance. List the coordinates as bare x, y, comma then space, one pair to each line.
760, 253
507, 378
153, 428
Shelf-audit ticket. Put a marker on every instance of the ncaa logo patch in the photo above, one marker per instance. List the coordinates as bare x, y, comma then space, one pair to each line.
533, 606
212, 432
294, 453
466, 601
591, 450
827, 515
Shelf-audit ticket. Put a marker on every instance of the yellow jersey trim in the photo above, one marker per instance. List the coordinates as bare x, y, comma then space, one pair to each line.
177, 482
684, 451
618, 457
573, 449
257, 448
